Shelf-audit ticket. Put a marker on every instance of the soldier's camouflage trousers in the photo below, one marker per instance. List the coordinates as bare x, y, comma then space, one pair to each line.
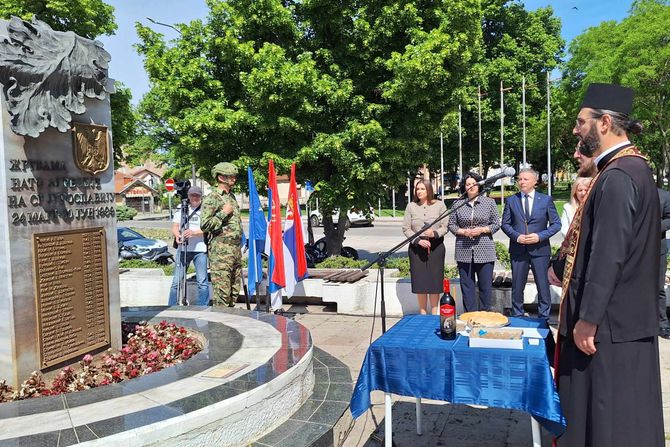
225, 262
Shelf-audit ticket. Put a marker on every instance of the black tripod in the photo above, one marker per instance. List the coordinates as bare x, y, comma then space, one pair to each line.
182, 249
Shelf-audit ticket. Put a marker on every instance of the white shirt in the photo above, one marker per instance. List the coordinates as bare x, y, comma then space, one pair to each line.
195, 243
531, 198
613, 148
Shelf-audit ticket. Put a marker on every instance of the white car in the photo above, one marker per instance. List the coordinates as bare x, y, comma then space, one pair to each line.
354, 217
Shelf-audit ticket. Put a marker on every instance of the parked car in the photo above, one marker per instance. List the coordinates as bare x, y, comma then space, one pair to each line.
354, 217
133, 245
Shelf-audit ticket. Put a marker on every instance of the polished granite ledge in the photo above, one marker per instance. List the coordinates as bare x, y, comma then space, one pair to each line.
313, 425
70, 422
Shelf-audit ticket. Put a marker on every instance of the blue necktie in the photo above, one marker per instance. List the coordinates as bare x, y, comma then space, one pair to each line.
526, 206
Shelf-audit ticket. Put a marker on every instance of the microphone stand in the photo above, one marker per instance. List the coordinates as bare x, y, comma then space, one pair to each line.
383, 257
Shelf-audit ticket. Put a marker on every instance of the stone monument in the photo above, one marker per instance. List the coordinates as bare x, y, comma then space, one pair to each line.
59, 295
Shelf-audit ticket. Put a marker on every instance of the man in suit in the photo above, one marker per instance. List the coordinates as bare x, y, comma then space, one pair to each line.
530, 219
664, 197
608, 362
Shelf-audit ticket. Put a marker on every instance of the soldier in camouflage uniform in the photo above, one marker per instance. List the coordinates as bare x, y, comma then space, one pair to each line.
220, 218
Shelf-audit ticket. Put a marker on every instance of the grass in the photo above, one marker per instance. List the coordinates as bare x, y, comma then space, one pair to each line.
162, 234
389, 212
168, 269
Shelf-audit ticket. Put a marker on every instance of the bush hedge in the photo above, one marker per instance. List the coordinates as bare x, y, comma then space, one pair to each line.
402, 264
125, 213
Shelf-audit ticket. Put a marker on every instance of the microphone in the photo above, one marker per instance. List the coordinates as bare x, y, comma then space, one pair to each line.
507, 171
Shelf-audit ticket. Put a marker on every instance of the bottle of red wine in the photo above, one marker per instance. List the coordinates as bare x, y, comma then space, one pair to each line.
447, 314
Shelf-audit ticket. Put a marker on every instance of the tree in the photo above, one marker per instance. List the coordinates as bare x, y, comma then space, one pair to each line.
636, 53
354, 91
124, 120
517, 43
351, 91
88, 18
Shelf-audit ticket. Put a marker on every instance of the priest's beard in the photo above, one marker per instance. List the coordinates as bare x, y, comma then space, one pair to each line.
590, 143
587, 168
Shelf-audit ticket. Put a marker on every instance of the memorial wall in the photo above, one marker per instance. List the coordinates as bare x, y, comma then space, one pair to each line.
58, 248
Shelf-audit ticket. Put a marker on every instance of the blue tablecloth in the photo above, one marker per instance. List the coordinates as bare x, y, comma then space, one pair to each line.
412, 360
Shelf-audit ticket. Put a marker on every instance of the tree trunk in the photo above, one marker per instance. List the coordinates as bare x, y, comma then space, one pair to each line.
334, 235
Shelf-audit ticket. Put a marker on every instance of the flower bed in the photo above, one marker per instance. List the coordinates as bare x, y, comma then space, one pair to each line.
147, 349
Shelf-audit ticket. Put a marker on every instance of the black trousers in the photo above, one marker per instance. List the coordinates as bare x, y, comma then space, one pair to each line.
662, 306
484, 272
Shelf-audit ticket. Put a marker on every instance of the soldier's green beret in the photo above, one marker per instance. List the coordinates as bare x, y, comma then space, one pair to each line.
224, 168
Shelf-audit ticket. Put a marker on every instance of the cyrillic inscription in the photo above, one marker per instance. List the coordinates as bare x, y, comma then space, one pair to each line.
72, 295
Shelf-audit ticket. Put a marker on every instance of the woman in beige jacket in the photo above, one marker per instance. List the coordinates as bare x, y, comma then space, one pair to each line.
426, 251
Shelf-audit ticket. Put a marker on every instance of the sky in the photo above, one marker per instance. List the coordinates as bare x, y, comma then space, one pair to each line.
126, 65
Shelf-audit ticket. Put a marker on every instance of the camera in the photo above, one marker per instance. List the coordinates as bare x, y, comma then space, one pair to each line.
181, 188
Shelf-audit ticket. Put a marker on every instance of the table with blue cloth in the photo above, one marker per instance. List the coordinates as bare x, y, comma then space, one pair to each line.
412, 360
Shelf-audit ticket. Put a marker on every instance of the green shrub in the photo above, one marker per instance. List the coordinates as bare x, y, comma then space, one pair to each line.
502, 253
168, 269
125, 213
555, 249
402, 264
245, 262
340, 262
450, 271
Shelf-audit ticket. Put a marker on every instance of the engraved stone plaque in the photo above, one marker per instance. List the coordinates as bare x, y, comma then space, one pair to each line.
71, 293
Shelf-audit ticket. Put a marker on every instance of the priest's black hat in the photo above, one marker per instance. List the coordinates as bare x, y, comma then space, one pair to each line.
609, 97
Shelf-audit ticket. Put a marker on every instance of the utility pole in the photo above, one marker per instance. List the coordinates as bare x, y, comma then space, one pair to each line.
502, 143
523, 112
479, 113
442, 164
549, 132
460, 147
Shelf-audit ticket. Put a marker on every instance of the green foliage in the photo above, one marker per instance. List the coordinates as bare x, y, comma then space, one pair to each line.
634, 52
168, 269
355, 94
162, 234
88, 18
340, 262
517, 43
402, 264
124, 121
502, 253
451, 271
125, 213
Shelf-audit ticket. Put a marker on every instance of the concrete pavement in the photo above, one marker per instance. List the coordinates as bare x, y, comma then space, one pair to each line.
348, 337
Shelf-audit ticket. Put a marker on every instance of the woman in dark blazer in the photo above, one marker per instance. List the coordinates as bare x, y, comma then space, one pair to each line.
473, 224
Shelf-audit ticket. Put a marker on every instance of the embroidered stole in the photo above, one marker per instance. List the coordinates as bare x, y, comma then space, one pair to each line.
570, 244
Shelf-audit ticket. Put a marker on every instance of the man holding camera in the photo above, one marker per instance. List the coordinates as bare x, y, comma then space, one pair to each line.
191, 248
221, 220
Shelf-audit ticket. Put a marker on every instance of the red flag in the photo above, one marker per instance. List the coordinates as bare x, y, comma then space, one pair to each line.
293, 235
277, 275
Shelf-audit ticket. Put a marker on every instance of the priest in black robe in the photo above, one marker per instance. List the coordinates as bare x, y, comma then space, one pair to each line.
608, 362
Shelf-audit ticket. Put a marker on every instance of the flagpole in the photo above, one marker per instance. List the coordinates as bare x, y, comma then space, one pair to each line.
549, 132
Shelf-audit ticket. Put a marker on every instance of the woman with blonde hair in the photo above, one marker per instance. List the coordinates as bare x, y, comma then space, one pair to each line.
426, 252
577, 196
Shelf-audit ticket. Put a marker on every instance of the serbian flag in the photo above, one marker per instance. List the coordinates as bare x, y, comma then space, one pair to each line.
257, 234
295, 263
274, 244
